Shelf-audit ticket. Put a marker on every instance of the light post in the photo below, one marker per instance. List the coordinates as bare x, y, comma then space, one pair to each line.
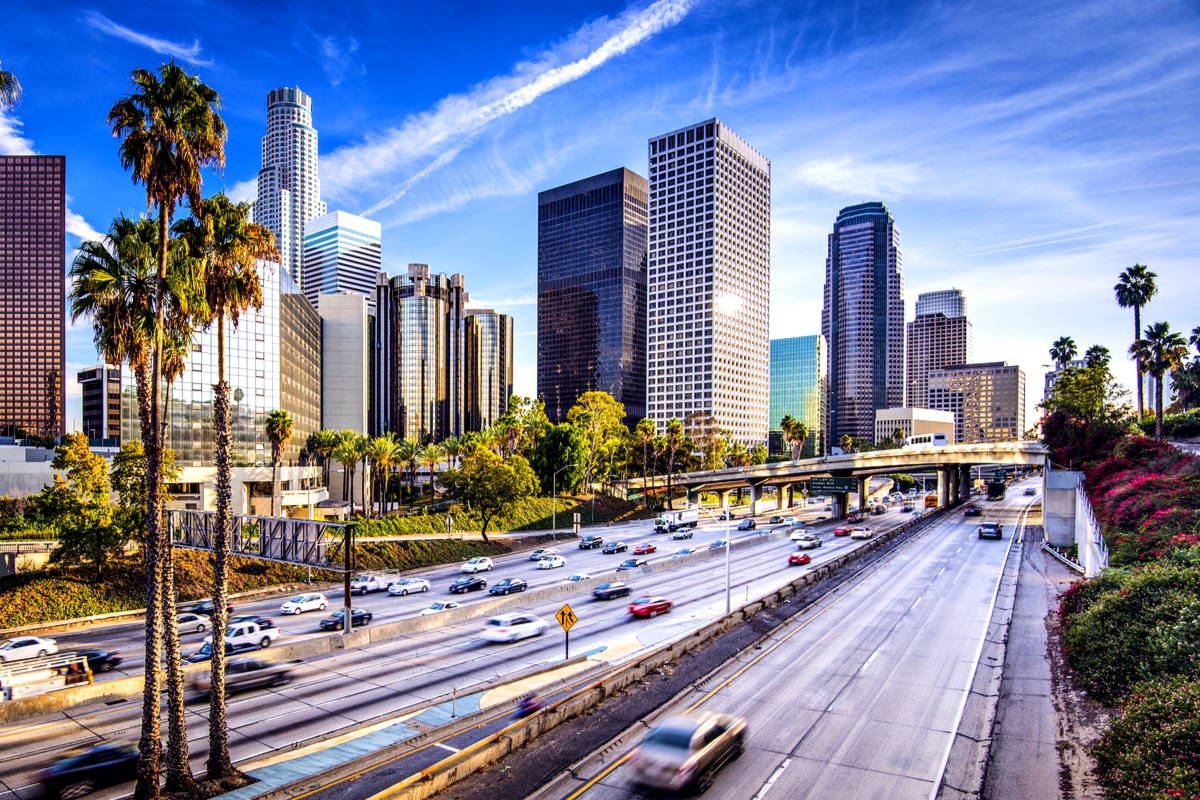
554, 503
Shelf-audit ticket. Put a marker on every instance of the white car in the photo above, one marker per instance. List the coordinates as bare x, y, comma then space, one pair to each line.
438, 608
192, 623
314, 601
550, 562
806, 541
408, 586
861, 533
26, 647
791, 521
511, 627
915, 515
542, 552
248, 633
479, 564
577, 577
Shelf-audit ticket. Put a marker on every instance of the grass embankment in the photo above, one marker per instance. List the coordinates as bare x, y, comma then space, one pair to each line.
536, 514
52, 594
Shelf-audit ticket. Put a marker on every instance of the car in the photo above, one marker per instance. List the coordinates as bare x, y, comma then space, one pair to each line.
615, 547
827, 507
588, 542
511, 627
542, 552
648, 606
776, 520
372, 582
314, 601
359, 617
247, 673
187, 622
408, 586
855, 518
24, 647
799, 559
607, 591
792, 521
861, 533
1031, 492
725, 515
719, 544
746, 525
101, 660
551, 562
205, 652
916, 515
260, 621
990, 530
205, 608
632, 563
686, 533
685, 551
841, 530
879, 510
96, 765
807, 541
508, 586
472, 583
907, 508
973, 511
478, 564
645, 548
438, 608
577, 577
251, 632
683, 753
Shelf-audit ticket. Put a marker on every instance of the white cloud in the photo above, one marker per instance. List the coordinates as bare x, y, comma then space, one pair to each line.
243, 191
12, 143
78, 226
519, 300
336, 57
849, 176
189, 53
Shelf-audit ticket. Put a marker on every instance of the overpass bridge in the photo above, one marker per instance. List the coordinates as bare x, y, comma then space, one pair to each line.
952, 463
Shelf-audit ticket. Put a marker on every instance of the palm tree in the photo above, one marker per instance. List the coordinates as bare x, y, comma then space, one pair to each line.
453, 448
674, 438
278, 430
847, 443
431, 458
646, 431
347, 455
1097, 356
1194, 338
1063, 351
10, 90
898, 437
323, 442
1159, 352
1135, 287
408, 456
795, 433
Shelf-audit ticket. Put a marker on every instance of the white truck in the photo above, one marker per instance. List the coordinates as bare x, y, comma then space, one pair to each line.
249, 633
671, 521
365, 582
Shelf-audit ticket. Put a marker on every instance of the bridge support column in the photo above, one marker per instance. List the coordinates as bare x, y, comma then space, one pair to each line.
964, 483
785, 496
724, 497
755, 499
864, 490
943, 490
952, 493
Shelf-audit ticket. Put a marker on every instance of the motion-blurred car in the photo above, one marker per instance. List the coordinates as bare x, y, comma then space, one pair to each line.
719, 544
408, 586
257, 619
973, 511
511, 627
247, 673
101, 660
650, 606
23, 647
990, 530
861, 533
725, 515
588, 542
799, 559
792, 521
776, 520
645, 548
916, 515
468, 583
746, 525
82, 770
438, 608
685, 551
827, 508
841, 530
188, 622
683, 753
879, 510
806, 541
577, 577
854, 518
551, 562
249, 632
313, 601
682, 533
205, 652
479, 564
205, 608
631, 563
359, 617
907, 508
1031, 492
542, 552
509, 585
610, 590
615, 547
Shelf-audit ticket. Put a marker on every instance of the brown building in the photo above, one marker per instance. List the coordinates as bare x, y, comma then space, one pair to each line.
33, 221
934, 340
987, 400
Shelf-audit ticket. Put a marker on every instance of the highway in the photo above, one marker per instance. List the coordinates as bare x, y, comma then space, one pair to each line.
341, 690
860, 696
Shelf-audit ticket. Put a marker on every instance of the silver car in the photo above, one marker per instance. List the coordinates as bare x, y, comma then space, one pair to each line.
807, 541
684, 753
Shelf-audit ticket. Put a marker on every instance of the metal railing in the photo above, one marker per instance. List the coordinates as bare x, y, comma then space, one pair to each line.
303, 542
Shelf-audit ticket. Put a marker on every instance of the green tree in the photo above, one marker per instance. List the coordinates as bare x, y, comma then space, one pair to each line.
707, 440
79, 507
601, 418
846, 443
492, 486
10, 90
1097, 355
1135, 288
381, 455
453, 448
524, 420
898, 437
279, 430
346, 454
128, 480
795, 433
323, 443
1159, 352
1062, 351
673, 438
431, 457
559, 446
758, 455
646, 431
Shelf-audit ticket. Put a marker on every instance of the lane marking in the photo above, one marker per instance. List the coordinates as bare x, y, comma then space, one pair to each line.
940, 571
447, 747
867, 663
771, 780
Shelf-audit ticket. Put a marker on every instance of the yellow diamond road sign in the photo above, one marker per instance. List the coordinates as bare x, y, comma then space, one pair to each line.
566, 617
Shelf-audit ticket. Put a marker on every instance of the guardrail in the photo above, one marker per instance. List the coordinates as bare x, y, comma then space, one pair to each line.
1093, 552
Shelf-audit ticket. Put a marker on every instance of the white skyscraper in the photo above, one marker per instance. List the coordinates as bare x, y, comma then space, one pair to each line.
708, 345
289, 193
342, 253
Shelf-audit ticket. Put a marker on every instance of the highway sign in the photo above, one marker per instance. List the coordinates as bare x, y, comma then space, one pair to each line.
823, 485
1000, 475
566, 617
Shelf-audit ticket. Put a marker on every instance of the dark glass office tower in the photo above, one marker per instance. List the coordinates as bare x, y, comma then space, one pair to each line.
863, 320
592, 292
33, 223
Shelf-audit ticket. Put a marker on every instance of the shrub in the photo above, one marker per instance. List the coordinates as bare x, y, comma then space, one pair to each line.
1175, 426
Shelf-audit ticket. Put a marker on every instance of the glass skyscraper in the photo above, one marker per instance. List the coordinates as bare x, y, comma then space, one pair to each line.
33, 344
488, 372
863, 320
342, 253
799, 386
592, 292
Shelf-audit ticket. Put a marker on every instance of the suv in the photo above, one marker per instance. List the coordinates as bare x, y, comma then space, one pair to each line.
684, 753
990, 530
588, 542
1031, 492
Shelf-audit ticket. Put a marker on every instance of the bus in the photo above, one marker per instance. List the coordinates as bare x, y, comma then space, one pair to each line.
931, 501
927, 440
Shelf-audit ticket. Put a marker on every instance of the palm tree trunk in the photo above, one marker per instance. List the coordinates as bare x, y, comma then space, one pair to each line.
670, 470
645, 497
1137, 334
274, 484
1158, 413
179, 770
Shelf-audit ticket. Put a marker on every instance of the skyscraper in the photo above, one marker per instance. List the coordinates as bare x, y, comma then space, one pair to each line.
987, 400
710, 280
934, 340
863, 320
342, 253
488, 369
592, 292
33, 223
799, 387
101, 394
950, 302
289, 192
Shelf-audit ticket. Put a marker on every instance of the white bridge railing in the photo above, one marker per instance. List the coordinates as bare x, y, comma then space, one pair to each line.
1093, 553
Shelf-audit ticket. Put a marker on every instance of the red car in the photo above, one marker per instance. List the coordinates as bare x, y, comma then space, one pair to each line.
854, 518
650, 606
842, 531
644, 548
798, 559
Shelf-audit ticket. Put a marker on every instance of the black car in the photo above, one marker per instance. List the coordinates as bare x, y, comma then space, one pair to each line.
205, 653
84, 769
588, 542
468, 583
607, 591
632, 563
746, 525
973, 511
358, 618
775, 521
615, 547
101, 660
509, 585
260, 621
205, 607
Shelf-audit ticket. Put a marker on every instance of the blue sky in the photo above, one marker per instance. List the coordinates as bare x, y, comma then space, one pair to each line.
1029, 151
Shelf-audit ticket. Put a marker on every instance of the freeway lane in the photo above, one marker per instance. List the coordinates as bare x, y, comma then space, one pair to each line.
347, 688
859, 697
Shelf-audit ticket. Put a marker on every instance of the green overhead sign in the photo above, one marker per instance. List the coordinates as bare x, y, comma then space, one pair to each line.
1000, 475
832, 485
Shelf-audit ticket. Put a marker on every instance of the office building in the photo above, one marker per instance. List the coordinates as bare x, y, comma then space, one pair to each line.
950, 302
592, 292
342, 253
1053, 375
863, 320
345, 362
301, 365
33, 222
799, 387
934, 340
987, 400
912, 422
709, 289
289, 191
488, 369
419, 358
101, 389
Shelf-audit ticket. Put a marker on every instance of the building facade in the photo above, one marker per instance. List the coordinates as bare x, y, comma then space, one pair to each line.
300, 365
345, 356
100, 387
592, 292
709, 294
863, 319
934, 340
1053, 375
289, 191
33, 224
950, 302
342, 253
799, 387
987, 400
488, 372
912, 422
